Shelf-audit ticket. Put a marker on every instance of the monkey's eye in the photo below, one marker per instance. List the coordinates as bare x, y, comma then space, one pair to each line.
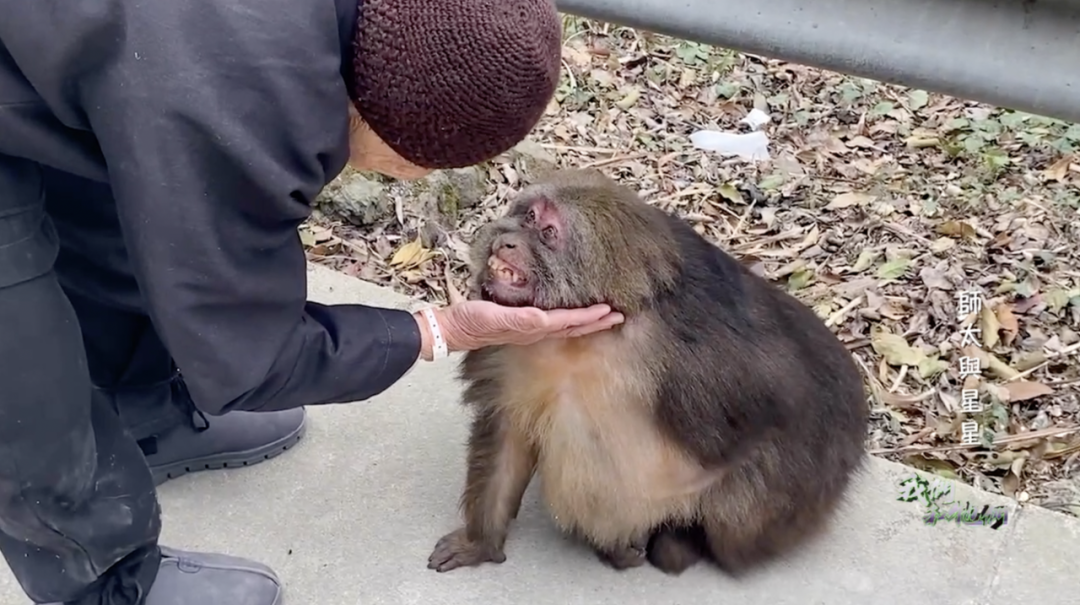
531, 216
548, 232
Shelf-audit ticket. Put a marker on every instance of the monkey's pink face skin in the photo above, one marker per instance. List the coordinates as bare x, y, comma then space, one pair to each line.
513, 265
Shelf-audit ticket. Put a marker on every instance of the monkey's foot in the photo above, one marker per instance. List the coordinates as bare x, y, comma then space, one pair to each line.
673, 552
455, 550
623, 557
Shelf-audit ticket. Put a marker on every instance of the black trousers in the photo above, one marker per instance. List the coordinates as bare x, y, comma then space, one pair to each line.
83, 376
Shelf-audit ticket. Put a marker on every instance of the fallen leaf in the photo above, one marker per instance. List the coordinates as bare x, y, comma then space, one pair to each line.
1011, 482
863, 142
1026, 302
866, 258
932, 366
1057, 298
917, 99
917, 142
942, 244
1026, 361
895, 350
1000, 368
894, 268
799, 279
768, 216
412, 276
602, 77
1008, 322
687, 78
1022, 390
937, 466
956, 229
410, 255
1059, 169
729, 192
846, 200
989, 327
307, 236
629, 100
904, 402
935, 278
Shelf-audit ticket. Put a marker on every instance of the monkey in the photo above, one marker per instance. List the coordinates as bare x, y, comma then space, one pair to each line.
722, 420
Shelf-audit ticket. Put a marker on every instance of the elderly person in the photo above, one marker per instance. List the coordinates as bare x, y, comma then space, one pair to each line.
156, 159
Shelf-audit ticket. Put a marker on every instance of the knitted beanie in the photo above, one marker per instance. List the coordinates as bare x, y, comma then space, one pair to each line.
452, 83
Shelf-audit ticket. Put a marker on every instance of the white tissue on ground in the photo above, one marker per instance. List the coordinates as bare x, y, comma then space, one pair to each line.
755, 119
752, 146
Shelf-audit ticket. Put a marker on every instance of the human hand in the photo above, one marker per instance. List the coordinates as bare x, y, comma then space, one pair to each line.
475, 324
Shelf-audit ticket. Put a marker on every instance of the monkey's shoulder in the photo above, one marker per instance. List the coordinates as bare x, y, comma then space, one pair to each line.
715, 297
710, 289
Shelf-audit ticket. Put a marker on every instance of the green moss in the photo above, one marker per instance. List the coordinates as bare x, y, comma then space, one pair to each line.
449, 200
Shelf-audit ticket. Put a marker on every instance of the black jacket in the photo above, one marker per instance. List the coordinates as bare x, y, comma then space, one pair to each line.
216, 122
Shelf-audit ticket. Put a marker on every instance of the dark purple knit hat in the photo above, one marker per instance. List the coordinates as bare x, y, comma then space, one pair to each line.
452, 83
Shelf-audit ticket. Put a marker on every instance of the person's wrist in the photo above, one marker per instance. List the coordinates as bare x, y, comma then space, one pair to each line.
427, 339
438, 340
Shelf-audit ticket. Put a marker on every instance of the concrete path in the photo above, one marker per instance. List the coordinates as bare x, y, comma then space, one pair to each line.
350, 516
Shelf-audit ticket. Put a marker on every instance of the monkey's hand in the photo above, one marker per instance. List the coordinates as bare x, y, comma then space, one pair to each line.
455, 550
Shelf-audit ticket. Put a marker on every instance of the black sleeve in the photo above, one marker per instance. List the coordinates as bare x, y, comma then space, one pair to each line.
220, 120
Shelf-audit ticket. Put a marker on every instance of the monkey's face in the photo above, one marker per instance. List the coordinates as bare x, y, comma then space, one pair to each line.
531, 258
570, 243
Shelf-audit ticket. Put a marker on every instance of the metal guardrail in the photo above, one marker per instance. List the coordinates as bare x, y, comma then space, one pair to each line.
1019, 54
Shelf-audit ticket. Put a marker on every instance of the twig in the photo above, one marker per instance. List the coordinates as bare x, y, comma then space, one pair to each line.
692, 190
614, 160
836, 317
858, 344
795, 233
905, 232
875, 386
570, 74
1050, 432
355, 247
1028, 372
577, 148
899, 379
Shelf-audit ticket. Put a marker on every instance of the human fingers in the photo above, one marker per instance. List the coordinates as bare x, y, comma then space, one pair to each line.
604, 323
561, 319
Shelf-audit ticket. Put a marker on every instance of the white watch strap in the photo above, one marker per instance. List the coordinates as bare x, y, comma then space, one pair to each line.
438, 343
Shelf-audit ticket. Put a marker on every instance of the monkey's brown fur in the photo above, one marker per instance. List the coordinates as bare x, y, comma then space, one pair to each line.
721, 419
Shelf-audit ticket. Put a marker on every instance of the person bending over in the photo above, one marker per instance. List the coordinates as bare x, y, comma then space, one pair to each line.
156, 159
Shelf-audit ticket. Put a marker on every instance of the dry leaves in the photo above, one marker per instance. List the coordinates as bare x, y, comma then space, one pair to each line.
1022, 390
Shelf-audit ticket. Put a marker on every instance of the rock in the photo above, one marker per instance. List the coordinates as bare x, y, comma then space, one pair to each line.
442, 195
530, 159
355, 197
365, 199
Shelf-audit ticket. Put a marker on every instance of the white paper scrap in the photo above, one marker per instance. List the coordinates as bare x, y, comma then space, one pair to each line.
752, 146
755, 119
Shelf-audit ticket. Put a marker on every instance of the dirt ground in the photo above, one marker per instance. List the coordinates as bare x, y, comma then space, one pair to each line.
879, 207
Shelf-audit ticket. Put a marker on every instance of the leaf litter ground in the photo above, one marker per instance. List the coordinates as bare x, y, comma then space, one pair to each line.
879, 206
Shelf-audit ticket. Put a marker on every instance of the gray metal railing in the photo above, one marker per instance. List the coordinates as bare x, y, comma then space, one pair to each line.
1019, 54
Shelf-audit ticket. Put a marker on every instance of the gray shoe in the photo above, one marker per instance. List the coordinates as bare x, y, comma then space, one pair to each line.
232, 440
190, 578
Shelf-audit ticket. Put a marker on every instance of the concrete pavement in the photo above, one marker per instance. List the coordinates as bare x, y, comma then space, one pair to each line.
350, 516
